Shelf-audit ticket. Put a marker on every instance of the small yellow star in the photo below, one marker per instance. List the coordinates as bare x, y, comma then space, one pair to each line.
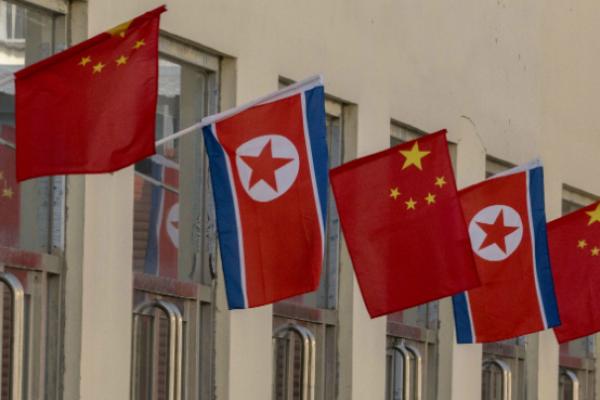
121, 60
85, 60
8, 193
594, 215
595, 251
122, 34
430, 199
139, 44
98, 67
440, 181
410, 204
394, 193
581, 244
414, 156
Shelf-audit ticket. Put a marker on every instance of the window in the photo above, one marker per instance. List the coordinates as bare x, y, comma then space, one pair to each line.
401, 133
174, 233
577, 357
295, 319
496, 380
412, 334
31, 213
494, 166
31, 219
507, 356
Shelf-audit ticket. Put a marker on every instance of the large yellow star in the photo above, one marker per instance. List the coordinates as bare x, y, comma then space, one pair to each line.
410, 204
430, 199
581, 244
8, 193
119, 29
394, 193
98, 67
440, 181
594, 215
414, 156
595, 251
121, 60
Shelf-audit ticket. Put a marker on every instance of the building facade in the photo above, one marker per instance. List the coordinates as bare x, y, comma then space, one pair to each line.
112, 283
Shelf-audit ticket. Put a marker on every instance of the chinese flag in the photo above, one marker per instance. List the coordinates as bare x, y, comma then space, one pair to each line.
404, 225
574, 242
90, 109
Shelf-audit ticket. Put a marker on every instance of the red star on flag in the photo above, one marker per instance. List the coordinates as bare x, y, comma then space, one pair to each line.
496, 232
264, 166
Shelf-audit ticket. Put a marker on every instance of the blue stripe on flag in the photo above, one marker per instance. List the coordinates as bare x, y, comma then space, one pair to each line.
315, 117
151, 260
226, 220
462, 321
542, 258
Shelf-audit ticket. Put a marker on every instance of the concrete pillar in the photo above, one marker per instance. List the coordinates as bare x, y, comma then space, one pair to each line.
459, 376
542, 366
98, 286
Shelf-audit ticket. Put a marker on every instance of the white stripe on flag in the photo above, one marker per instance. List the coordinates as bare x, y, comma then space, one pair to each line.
533, 253
471, 322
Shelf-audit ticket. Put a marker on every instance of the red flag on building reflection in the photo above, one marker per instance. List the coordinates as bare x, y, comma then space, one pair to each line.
9, 191
163, 235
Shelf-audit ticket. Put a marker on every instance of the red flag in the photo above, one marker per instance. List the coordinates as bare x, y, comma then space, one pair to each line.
507, 225
10, 192
268, 166
90, 109
574, 242
404, 226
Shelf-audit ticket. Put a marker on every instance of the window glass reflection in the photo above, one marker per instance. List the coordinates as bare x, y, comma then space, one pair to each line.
31, 213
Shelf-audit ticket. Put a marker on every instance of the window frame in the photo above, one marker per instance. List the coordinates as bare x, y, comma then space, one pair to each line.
322, 321
41, 270
196, 298
425, 336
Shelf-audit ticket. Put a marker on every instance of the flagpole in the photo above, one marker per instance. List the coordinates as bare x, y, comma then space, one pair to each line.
179, 134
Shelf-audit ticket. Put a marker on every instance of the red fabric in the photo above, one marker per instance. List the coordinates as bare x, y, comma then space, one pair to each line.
10, 192
506, 305
282, 240
576, 273
168, 231
71, 119
404, 257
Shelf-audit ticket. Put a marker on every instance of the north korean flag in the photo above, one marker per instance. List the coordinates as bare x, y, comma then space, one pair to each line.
268, 166
507, 226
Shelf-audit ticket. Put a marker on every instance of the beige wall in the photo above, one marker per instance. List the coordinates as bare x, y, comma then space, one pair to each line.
508, 78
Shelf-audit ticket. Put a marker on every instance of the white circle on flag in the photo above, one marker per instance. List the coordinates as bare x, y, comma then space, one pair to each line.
173, 224
496, 232
268, 166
